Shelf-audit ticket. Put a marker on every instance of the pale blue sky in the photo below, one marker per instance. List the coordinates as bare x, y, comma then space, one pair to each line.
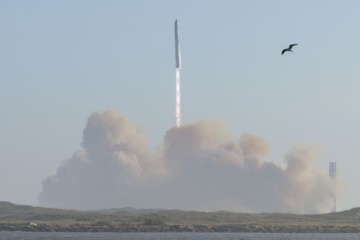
62, 60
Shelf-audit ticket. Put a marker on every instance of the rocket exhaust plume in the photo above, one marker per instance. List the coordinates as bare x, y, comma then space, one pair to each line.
178, 99
178, 67
199, 166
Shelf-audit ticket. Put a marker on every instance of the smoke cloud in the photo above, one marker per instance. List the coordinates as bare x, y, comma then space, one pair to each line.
199, 166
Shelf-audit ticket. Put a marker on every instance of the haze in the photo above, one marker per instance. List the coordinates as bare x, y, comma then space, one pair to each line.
251, 117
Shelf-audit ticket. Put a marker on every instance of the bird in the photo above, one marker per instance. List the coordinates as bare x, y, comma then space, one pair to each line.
288, 49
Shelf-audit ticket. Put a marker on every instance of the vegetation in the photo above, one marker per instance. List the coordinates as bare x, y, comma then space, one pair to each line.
27, 218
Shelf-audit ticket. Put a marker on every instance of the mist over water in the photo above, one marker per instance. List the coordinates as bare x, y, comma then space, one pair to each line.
199, 166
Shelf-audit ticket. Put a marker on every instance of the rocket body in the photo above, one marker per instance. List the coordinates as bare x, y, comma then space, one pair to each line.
177, 70
177, 46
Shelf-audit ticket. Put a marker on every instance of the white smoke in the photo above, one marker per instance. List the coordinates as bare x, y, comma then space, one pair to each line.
178, 98
199, 166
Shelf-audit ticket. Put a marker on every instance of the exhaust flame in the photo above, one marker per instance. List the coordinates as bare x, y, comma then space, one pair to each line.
178, 99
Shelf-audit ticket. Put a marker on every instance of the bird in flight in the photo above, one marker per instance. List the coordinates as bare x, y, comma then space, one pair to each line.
288, 49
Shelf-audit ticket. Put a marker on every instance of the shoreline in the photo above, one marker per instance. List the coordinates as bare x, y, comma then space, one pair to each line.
36, 219
238, 228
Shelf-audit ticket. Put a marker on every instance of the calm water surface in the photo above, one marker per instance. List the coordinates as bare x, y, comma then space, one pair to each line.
175, 236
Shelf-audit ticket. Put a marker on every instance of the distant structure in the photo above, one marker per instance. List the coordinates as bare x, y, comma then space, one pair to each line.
332, 174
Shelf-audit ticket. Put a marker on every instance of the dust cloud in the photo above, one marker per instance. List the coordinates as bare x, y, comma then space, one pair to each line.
199, 166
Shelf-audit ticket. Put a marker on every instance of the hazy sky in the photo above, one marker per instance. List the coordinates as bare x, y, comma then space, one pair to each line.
60, 61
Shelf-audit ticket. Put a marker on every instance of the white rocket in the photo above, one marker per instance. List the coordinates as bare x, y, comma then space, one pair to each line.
177, 69
177, 46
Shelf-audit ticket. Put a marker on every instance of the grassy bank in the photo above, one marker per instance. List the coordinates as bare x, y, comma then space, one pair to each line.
27, 218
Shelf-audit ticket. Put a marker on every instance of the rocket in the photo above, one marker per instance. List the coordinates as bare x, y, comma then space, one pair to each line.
177, 46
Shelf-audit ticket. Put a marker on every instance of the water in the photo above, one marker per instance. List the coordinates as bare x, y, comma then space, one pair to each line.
176, 236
